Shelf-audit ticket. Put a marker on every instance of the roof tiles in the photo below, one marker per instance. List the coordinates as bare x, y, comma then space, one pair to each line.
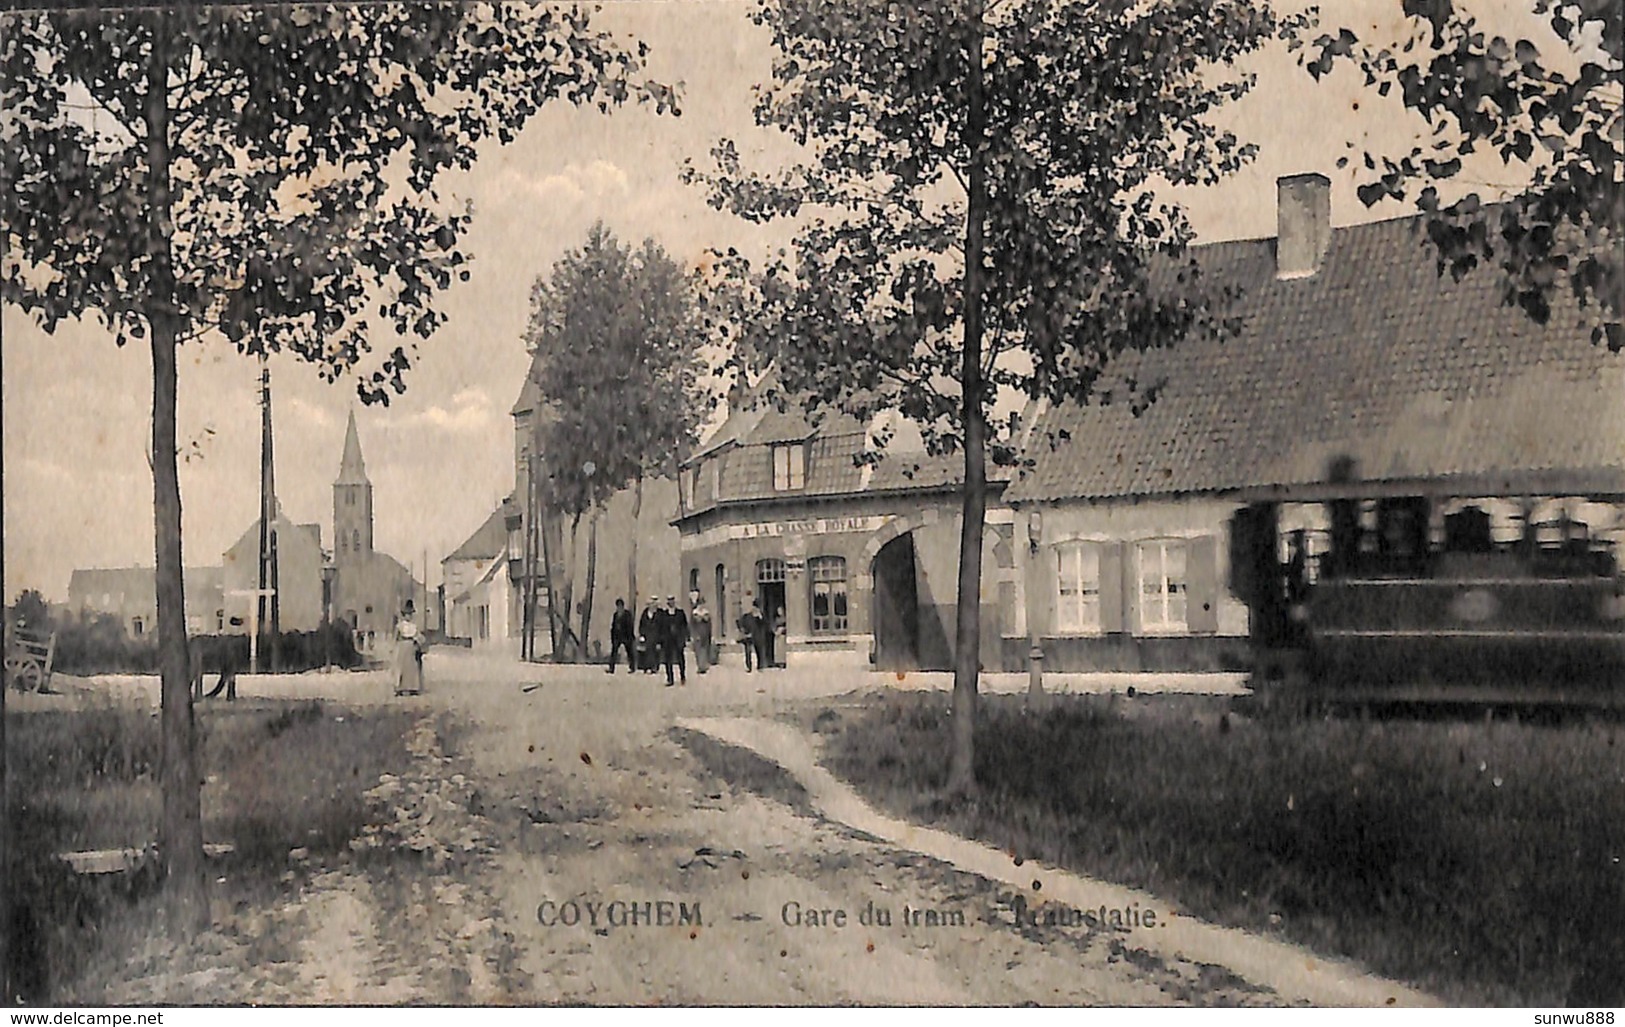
1374, 358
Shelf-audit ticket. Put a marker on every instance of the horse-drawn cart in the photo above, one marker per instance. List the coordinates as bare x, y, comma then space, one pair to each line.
28, 659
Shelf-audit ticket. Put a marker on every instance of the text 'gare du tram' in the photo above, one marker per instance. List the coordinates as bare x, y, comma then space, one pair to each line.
1385, 476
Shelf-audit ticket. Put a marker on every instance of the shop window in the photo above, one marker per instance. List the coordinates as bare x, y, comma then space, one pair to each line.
790, 466
828, 578
1163, 585
1077, 587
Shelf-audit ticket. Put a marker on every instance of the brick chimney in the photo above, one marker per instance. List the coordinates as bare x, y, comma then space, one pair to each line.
1303, 232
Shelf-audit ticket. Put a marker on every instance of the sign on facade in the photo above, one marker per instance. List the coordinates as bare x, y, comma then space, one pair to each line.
790, 529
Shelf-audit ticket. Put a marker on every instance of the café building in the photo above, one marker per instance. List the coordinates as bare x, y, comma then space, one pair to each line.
858, 559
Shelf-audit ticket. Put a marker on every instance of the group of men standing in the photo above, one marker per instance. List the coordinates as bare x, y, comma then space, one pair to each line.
763, 638
661, 637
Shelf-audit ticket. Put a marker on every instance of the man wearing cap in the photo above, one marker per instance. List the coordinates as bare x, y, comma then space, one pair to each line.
675, 638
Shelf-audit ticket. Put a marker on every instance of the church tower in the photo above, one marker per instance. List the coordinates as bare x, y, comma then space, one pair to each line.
352, 505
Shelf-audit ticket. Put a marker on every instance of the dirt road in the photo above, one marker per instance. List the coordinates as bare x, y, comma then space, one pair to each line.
574, 851
608, 822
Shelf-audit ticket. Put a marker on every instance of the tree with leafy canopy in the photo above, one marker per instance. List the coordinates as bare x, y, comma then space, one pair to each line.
31, 610
1554, 118
615, 337
270, 176
977, 215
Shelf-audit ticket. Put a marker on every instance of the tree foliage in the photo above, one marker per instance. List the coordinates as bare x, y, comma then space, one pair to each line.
615, 339
1554, 117
1088, 108
978, 212
31, 610
307, 147
270, 174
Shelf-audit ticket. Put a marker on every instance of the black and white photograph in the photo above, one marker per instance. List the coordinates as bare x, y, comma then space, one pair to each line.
813, 503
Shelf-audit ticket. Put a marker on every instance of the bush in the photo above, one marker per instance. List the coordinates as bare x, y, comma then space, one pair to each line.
97, 644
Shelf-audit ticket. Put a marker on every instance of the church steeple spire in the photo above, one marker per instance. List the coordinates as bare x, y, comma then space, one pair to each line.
352, 503
352, 469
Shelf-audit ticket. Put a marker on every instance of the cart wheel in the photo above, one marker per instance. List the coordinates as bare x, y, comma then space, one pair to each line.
30, 677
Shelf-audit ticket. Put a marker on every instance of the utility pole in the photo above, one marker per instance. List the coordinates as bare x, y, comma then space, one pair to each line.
527, 637
263, 586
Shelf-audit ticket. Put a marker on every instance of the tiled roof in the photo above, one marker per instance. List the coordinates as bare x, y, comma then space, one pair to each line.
746, 461
139, 583
1375, 357
489, 539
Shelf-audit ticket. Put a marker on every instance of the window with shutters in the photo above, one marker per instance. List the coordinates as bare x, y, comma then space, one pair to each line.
828, 601
1077, 587
1163, 585
790, 467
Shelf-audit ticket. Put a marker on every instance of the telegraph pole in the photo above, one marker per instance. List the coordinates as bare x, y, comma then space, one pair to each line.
269, 609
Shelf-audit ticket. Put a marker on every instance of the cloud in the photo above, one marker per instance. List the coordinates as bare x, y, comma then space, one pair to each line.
470, 411
574, 184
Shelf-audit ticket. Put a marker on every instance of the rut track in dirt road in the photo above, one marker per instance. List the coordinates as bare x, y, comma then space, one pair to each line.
629, 872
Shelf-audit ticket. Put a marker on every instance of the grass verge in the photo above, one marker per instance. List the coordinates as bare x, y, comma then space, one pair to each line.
745, 769
1480, 861
279, 776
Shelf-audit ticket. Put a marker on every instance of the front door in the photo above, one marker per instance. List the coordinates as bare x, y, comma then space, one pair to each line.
897, 608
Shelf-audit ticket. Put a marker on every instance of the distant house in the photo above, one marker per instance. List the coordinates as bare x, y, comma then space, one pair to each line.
299, 561
657, 547
131, 595
477, 584
1361, 380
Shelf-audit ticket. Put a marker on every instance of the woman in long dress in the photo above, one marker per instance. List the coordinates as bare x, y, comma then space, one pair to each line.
408, 654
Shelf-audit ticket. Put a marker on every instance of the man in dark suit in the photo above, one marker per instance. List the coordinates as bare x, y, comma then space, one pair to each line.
750, 631
621, 636
674, 639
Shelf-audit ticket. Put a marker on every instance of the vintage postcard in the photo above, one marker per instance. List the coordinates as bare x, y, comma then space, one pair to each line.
813, 502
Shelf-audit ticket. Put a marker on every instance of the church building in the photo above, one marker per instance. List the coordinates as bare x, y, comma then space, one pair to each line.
369, 587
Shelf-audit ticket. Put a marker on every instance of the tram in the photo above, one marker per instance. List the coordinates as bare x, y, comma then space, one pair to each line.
1376, 593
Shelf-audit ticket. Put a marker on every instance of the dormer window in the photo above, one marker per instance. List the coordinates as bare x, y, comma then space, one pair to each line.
789, 466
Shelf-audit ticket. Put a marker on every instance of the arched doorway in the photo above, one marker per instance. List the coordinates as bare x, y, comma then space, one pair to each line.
896, 616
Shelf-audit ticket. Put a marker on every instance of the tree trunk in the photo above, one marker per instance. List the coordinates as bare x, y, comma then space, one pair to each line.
592, 576
181, 836
967, 635
632, 555
5, 850
567, 615
547, 574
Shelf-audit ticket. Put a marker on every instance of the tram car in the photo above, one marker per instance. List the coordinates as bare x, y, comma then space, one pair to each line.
1498, 600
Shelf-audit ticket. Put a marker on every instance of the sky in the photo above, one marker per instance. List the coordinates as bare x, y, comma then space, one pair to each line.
77, 486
